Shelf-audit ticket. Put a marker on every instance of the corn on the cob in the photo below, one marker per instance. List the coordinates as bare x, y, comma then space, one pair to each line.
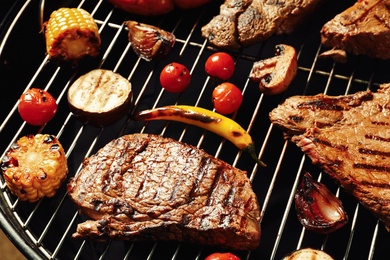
35, 167
71, 34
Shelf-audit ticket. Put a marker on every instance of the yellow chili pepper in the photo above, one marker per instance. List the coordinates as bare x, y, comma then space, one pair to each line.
206, 119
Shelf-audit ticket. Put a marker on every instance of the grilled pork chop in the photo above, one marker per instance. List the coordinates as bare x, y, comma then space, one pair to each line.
241, 23
147, 187
361, 29
348, 136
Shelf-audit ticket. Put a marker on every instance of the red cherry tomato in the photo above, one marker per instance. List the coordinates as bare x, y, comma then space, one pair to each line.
222, 256
37, 106
227, 98
220, 65
175, 77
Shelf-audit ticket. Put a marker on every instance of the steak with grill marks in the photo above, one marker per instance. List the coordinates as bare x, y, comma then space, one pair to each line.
349, 137
361, 29
146, 187
241, 23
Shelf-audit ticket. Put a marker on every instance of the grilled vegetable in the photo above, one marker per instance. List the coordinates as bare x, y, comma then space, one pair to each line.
220, 65
149, 42
222, 256
37, 106
100, 97
71, 34
35, 167
175, 77
276, 73
227, 98
317, 208
308, 253
207, 119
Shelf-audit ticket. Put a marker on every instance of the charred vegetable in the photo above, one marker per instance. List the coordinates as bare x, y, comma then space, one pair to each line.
148, 41
100, 97
220, 65
227, 98
308, 253
317, 208
71, 34
37, 106
175, 77
276, 73
35, 167
207, 119
222, 256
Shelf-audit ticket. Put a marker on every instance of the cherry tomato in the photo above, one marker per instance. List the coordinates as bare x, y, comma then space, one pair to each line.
175, 77
222, 256
220, 65
37, 106
227, 98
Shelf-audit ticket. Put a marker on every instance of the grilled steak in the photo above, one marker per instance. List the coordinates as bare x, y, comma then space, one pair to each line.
348, 136
147, 187
361, 29
241, 23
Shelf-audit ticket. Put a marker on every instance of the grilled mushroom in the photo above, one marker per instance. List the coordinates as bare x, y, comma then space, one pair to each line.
276, 73
148, 41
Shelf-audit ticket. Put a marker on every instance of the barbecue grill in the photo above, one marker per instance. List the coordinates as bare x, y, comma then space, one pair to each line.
43, 230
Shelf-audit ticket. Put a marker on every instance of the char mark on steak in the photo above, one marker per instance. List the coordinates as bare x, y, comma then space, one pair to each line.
362, 29
348, 138
147, 187
243, 23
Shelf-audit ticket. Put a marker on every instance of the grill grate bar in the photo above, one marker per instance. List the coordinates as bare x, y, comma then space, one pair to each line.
64, 236
373, 241
273, 181
287, 209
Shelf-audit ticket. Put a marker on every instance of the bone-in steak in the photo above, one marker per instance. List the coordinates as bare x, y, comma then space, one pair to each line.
361, 29
349, 137
147, 187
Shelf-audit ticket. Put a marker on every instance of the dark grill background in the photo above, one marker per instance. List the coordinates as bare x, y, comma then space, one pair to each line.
43, 229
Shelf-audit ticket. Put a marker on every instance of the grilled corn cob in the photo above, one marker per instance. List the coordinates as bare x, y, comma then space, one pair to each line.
35, 167
71, 34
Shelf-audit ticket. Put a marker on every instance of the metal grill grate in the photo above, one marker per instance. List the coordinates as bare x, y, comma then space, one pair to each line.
43, 229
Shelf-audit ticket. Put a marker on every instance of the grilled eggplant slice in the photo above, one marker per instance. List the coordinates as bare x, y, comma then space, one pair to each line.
100, 97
